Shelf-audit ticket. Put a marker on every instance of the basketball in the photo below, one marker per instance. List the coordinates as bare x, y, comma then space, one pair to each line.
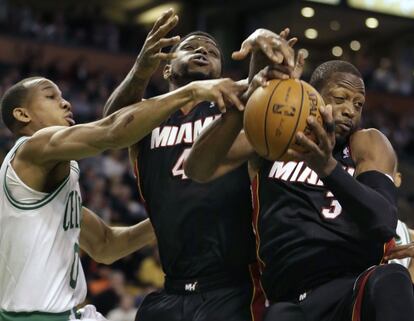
274, 114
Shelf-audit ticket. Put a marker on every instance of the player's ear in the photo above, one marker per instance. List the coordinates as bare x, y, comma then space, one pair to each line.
167, 72
398, 179
21, 114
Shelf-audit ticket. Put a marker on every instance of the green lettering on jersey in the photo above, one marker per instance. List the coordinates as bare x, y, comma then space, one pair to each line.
73, 210
74, 270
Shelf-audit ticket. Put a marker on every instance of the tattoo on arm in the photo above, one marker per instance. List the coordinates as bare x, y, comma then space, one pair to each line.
128, 120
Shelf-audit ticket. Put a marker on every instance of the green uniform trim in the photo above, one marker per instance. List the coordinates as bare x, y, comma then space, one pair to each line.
40, 203
34, 205
34, 316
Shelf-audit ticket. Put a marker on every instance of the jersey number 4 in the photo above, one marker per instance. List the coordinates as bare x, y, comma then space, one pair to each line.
178, 169
334, 210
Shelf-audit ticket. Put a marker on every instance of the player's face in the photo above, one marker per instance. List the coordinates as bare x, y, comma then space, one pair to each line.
346, 93
46, 106
197, 58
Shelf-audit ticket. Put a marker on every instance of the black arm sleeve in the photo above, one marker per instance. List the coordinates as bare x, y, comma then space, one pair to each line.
371, 200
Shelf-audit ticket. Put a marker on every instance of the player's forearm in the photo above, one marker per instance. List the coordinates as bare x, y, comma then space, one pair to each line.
129, 125
371, 200
212, 146
123, 241
130, 91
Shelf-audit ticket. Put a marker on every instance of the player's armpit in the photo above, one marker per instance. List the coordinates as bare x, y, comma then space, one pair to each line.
106, 244
133, 155
221, 148
372, 151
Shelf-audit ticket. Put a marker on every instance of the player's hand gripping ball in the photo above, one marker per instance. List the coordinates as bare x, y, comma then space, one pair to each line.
275, 113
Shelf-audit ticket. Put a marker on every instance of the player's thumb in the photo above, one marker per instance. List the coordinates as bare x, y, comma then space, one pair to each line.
242, 53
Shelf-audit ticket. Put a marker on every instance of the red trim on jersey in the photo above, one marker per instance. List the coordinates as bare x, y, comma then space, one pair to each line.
257, 305
357, 309
387, 247
138, 178
255, 217
255, 220
360, 288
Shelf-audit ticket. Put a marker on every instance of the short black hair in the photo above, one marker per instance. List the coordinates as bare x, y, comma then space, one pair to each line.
14, 97
199, 33
324, 72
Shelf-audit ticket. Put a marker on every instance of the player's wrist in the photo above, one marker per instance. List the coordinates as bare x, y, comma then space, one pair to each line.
329, 167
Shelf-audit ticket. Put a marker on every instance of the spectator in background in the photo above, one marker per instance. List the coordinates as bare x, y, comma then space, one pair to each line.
111, 292
125, 311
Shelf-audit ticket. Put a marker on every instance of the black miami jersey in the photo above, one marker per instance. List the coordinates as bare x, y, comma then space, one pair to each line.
304, 236
202, 229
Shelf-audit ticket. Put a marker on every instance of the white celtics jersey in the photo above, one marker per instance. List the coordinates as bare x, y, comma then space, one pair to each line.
403, 237
40, 269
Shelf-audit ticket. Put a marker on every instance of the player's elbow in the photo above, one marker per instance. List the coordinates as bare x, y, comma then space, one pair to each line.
385, 228
105, 260
101, 251
196, 174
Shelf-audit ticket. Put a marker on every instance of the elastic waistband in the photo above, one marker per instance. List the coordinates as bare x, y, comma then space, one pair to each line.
203, 284
34, 316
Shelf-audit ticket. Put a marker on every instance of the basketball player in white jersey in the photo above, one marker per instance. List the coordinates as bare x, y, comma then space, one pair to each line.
403, 253
40, 203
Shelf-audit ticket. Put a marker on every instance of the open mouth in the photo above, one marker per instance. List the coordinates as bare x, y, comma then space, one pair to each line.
200, 60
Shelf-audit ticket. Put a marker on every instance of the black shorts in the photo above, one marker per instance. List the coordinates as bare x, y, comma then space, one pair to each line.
384, 290
242, 302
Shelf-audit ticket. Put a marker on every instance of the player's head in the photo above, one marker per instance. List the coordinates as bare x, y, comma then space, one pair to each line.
341, 85
198, 57
34, 103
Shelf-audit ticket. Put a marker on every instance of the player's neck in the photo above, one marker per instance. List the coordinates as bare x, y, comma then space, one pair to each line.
25, 131
178, 83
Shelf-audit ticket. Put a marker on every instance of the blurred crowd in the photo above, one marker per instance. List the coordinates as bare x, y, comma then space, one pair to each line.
107, 182
85, 26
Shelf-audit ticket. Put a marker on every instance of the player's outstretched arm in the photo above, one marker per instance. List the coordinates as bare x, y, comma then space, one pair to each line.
106, 244
370, 197
124, 127
132, 88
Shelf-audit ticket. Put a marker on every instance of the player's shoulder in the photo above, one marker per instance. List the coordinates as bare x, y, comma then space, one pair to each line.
368, 134
37, 142
371, 144
369, 139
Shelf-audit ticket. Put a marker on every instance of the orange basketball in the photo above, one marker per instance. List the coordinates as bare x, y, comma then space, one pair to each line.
274, 114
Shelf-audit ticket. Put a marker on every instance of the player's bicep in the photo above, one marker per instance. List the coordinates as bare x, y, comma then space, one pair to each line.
372, 151
240, 152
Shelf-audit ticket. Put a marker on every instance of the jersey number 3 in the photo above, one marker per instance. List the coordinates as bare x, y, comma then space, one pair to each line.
334, 210
178, 169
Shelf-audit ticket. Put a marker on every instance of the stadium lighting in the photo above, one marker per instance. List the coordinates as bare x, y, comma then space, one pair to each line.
305, 52
355, 45
334, 25
149, 16
337, 51
372, 22
311, 33
307, 12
